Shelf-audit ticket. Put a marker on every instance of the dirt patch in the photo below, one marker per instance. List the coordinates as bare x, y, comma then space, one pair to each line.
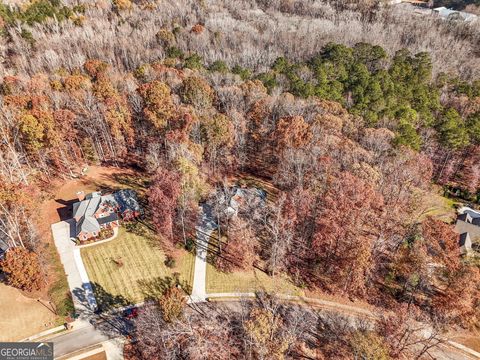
21, 316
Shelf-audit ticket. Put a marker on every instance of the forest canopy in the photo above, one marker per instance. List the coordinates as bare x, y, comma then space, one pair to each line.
348, 116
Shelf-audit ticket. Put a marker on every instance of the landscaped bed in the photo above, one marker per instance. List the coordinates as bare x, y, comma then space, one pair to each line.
132, 267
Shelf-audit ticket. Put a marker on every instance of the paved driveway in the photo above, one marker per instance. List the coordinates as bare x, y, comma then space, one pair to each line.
78, 282
204, 230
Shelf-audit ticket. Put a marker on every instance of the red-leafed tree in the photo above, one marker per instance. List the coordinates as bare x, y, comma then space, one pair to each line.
458, 300
291, 139
163, 199
292, 132
442, 242
301, 209
238, 252
159, 107
468, 176
344, 234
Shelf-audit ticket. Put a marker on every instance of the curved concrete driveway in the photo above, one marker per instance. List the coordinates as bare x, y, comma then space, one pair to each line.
77, 276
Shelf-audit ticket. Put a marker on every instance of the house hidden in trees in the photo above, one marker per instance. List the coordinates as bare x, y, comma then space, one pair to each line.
238, 196
94, 212
468, 226
454, 15
3, 248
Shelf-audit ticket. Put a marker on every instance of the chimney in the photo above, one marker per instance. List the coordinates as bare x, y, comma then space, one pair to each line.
81, 195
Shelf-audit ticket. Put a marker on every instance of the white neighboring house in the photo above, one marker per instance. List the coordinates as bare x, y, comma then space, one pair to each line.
465, 243
454, 15
239, 196
468, 226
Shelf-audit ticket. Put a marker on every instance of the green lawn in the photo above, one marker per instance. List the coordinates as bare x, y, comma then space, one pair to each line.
243, 281
248, 281
439, 207
131, 268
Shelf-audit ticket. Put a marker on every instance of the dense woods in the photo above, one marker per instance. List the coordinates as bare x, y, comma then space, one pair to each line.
352, 116
270, 329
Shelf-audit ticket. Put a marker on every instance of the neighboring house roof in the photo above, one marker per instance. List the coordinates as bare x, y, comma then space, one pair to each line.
464, 239
449, 14
465, 243
3, 246
465, 227
444, 12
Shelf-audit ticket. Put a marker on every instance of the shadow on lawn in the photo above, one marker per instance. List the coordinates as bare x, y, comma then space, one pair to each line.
133, 181
113, 182
155, 288
105, 300
106, 318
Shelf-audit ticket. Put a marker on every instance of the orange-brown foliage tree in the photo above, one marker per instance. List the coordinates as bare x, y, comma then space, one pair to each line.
22, 269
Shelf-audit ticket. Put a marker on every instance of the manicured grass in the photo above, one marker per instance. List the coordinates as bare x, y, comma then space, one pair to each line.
131, 268
59, 291
248, 281
439, 207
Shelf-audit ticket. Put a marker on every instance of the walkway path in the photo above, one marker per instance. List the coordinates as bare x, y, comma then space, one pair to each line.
78, 281
204, 230
356, 310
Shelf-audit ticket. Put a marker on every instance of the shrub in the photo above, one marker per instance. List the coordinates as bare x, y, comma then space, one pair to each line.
190, 245
123, 4
170, 262
172, 304
165, 37
269, 80
118, 262
197, 29
174, 52
193, 62
197, 92
242, 72
27, 36
95, 67
219, 66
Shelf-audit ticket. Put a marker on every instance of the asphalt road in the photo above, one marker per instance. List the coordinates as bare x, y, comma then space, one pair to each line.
77, 340
107, 326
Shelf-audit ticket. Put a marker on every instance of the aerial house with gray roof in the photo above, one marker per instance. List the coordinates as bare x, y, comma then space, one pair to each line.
94, 212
